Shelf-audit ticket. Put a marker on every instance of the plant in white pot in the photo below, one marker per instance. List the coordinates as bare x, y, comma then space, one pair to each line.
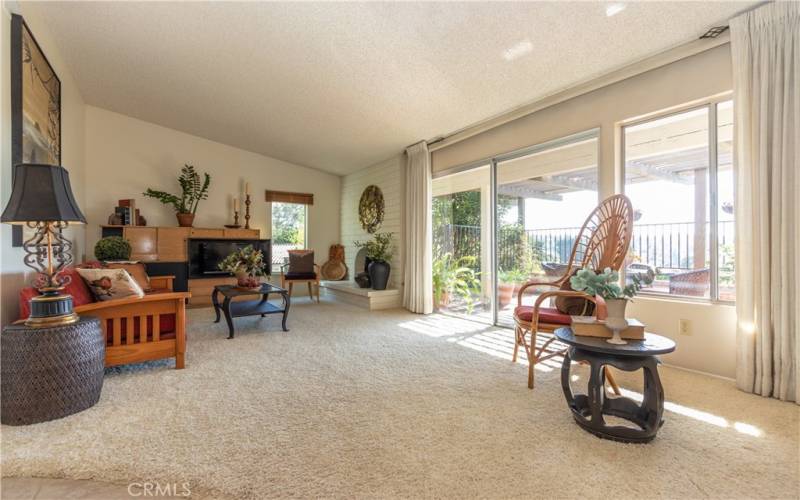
606, 286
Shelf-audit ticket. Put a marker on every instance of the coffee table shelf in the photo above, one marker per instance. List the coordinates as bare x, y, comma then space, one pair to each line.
238, 309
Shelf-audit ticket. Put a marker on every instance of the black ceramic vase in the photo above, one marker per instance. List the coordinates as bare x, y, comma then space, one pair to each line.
379, 274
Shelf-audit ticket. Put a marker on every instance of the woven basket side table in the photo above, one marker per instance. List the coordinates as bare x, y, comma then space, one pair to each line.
49, 373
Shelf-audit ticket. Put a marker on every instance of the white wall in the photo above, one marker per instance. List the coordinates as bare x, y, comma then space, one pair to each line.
13, 273
125, 156
389, 176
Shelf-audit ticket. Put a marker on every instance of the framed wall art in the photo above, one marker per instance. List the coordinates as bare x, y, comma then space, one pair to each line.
35, 104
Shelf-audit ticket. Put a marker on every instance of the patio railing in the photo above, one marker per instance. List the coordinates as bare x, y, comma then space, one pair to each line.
669, 246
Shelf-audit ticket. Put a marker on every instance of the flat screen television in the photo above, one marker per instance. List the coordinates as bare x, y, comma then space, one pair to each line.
205, 255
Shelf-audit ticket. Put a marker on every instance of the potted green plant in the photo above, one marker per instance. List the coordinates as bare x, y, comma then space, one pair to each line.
507, 282
606, 286
247, 264
112, 248
454, 276
380, 250
192, 191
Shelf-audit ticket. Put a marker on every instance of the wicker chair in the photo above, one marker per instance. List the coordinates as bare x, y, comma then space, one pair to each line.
602, 242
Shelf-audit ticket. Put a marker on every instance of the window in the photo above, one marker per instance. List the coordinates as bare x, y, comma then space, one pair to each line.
679, 177
543, 198
288, 231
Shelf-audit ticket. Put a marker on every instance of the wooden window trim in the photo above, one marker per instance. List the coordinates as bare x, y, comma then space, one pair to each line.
289, 197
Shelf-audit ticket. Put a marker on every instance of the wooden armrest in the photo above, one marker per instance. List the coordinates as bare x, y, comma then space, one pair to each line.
556, 284
162, 277
162, 282
560, 293
155, 297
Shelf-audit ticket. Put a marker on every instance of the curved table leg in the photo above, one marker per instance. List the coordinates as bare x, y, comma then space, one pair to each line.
215, 301
226, 308
589, 409
286, 303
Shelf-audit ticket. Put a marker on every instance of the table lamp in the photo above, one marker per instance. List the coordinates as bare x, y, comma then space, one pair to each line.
41, 199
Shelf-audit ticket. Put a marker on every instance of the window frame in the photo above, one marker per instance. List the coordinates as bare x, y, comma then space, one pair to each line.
710, 104
277, 268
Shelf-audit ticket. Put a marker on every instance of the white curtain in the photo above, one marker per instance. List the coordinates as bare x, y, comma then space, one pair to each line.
418, 286
765, 44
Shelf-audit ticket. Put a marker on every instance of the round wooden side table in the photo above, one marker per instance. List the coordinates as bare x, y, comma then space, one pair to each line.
589, 409
49, 373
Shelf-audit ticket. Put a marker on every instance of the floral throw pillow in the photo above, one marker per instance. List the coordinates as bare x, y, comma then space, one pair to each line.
111, 284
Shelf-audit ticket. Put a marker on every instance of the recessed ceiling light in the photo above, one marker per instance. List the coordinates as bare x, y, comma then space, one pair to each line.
614, 9
517, 50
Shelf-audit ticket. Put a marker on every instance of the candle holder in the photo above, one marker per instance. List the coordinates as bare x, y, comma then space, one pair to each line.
235, 224
247, 211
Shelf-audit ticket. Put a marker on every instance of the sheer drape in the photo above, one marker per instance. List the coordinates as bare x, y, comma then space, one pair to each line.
418, 286
766, 69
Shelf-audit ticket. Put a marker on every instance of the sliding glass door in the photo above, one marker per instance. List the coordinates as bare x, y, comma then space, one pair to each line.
462, 262
543, 197
503, 222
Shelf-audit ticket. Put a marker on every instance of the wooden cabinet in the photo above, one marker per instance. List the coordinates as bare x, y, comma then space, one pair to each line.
201, 289
168, 244
241, 234
172, 243
143, 242
199, 232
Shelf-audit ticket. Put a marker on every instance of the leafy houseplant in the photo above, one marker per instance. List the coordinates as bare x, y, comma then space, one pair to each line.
380, 250
507, 281
247, 264
112, 248
454, 276
192, 191
606, 286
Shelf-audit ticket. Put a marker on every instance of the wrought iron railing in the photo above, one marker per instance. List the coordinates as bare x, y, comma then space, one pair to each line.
668, 246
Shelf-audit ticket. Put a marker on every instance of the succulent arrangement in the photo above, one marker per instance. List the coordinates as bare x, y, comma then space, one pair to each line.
112, 248
606, 284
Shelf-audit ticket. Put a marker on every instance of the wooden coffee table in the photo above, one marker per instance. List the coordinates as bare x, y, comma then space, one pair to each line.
589, 409
242, 308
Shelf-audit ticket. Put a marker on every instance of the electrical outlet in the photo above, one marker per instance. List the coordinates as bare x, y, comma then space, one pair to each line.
684, 327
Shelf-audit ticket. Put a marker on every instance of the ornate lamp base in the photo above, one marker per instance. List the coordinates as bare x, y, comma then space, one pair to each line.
51, 309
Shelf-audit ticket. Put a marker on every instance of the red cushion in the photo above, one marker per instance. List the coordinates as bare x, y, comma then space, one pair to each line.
76, 287
546, 315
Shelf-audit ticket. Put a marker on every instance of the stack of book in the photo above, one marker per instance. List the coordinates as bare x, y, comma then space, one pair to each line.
589, 326
127, 212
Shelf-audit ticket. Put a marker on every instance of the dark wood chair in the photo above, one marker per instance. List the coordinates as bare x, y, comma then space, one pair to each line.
301, 268
602, 242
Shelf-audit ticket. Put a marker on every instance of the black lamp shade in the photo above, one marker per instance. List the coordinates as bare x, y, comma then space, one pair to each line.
41, 193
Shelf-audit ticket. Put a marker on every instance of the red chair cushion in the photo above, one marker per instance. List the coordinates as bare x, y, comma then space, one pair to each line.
546, 315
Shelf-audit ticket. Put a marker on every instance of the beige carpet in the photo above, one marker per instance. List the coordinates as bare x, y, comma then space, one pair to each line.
389, 404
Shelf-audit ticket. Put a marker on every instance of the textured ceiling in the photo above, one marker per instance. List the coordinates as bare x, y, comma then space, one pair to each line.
340, 86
